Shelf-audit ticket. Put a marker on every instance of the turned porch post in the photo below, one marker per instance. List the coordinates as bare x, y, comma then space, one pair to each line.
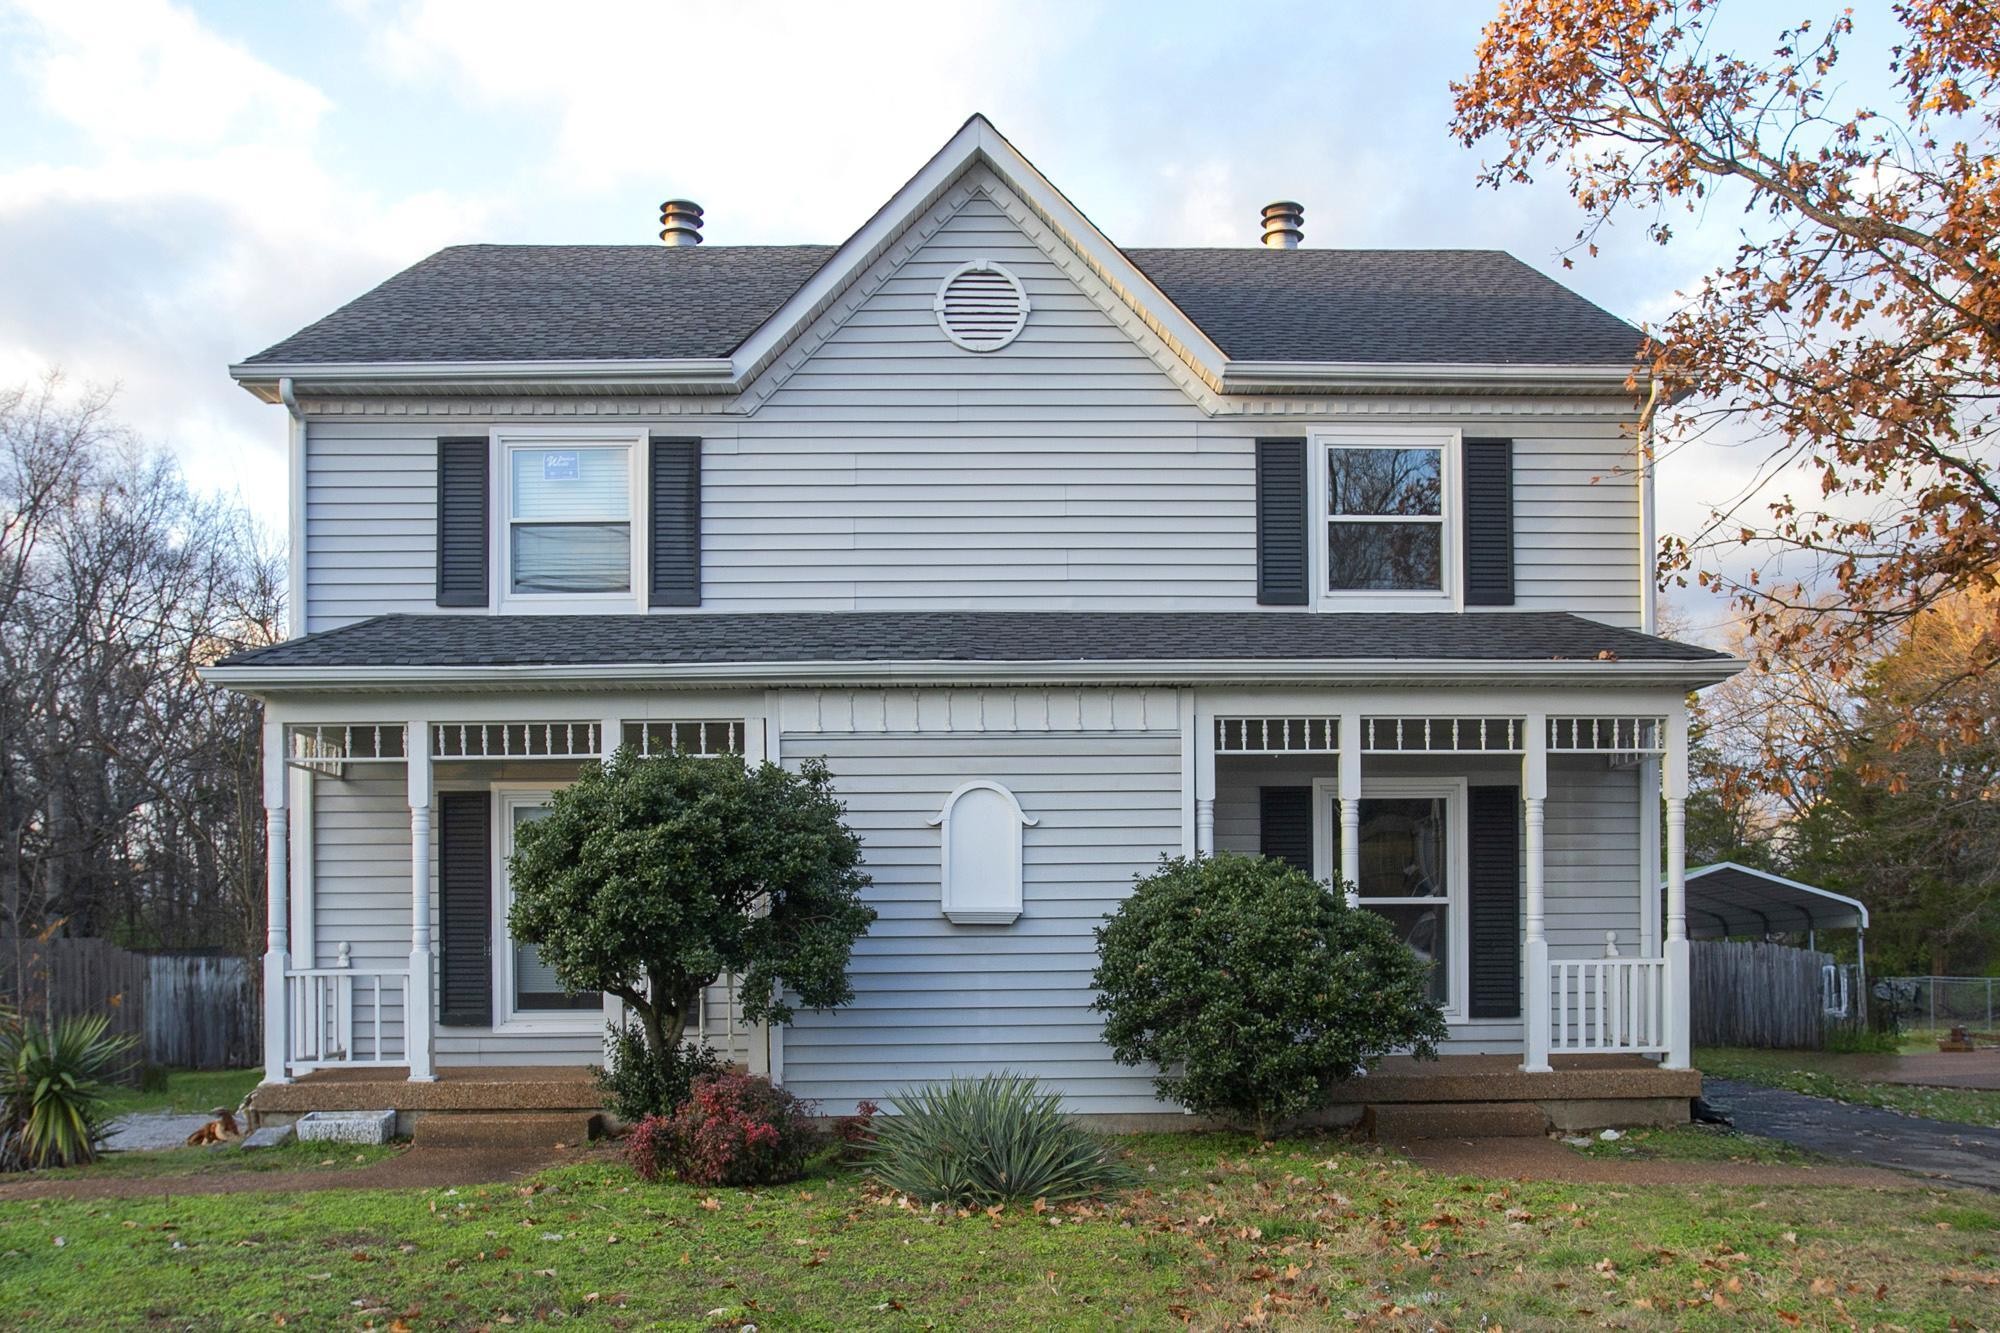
418, 1016
1204, 782
1350, 804
277, 905
1535, 1016
1674, 780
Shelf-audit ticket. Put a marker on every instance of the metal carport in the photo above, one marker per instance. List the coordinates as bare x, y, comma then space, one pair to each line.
1729, 899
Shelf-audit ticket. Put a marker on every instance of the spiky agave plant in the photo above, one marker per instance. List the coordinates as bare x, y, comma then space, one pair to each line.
989, 1140
54, 1092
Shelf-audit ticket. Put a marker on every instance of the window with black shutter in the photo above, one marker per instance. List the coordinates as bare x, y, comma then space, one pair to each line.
1493, 902
1283, 559
465, 908
675, 497
1489, 523
462, 506
1285, 825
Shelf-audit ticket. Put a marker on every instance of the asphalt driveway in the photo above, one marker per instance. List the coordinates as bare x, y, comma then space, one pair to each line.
1864, 1135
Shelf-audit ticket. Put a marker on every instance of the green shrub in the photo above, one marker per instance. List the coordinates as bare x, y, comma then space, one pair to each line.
1254, 990
988, 1140
52, 1091
637, 1083
1854, 1041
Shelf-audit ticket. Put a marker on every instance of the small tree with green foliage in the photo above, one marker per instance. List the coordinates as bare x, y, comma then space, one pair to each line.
652, 878
1255, 989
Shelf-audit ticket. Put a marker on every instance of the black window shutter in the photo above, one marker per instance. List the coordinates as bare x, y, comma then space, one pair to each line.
676, 518
461, 522
1493, 901
1285, 825
1282, 562
1489, 522
465, 909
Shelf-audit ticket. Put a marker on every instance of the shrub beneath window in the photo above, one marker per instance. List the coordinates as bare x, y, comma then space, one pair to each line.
637, 1083
735, 1129
1254, 989
989, 1140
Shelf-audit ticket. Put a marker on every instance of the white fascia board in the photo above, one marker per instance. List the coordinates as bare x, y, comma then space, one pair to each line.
1677, 675
714, 373
1429, 375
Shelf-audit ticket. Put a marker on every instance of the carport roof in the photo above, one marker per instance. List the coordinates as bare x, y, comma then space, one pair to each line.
1729, 899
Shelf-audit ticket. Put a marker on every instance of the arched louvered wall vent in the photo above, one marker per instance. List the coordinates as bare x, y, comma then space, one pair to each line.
981, 306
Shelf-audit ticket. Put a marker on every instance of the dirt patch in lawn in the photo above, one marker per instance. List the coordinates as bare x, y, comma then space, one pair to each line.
412, 1168
1545, 1159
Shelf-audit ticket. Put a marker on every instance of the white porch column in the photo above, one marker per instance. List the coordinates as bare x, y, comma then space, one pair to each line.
767, 1040
419, 1017
1674, 779
277, 905
609, 739
1204, 782
1350, 804
1535, 943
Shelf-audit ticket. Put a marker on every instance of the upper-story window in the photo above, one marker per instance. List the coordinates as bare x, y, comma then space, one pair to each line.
571, 526
1387, 523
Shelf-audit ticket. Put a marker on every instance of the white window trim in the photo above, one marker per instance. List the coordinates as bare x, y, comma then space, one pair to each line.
1449, 442
507, 797
506, 439
1453, 790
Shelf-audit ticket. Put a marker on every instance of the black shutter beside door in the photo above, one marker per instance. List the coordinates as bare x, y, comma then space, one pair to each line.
1283, 564
675, 494
1489, 522
1285, 825
465, 908
1493, 902
462, 556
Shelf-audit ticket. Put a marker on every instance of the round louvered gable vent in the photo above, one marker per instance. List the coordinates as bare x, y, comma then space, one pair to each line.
981, 306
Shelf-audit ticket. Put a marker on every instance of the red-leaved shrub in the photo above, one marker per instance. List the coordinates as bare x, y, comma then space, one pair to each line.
856, 1133
736, 1129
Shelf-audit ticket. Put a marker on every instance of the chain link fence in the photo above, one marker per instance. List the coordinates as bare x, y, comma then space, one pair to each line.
1942, 1002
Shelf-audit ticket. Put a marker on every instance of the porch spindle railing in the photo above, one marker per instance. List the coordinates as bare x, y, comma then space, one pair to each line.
1610, 1004
341, 1016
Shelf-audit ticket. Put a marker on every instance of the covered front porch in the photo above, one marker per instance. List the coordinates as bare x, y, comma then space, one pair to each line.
1514, 844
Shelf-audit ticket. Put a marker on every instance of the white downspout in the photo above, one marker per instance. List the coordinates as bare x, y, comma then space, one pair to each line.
1649, 540
295, 537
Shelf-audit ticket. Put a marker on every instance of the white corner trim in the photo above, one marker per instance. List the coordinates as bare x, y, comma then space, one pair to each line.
980, 874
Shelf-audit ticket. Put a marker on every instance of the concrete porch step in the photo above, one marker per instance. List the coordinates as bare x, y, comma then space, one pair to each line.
491, 1129
1399, 1122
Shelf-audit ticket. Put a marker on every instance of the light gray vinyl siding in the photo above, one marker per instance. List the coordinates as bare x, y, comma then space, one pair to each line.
934, 1000
889, 469
1590, 853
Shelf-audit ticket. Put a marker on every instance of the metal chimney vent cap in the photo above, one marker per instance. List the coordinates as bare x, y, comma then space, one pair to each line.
981, 306
1284, 225
680, 222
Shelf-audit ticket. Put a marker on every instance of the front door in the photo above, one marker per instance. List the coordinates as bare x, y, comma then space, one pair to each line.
526, 993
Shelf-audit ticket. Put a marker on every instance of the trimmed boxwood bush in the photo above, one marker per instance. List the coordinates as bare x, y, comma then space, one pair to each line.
1255, 989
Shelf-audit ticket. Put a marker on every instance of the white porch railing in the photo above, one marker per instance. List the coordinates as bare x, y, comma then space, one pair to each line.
340, 1016
1608, 1005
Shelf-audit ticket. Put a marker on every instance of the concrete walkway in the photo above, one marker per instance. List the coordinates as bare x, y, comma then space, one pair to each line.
1865, 1135
1975, 1070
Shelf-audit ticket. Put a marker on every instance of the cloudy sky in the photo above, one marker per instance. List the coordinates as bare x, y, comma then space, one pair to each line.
182, 185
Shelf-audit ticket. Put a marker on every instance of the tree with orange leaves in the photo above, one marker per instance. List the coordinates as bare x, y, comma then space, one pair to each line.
1856, 329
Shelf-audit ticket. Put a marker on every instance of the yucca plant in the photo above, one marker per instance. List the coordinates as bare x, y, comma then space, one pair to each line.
989, 1140
52, 1082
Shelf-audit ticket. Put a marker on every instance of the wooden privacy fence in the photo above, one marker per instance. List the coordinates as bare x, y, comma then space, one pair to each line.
189, 1010
1770, 995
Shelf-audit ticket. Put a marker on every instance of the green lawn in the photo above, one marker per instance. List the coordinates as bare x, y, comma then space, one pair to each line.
189, 1090
1822, 1074
1697, 1143
1305, 1233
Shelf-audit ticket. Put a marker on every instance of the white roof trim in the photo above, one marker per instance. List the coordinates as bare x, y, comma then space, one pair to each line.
1782, 882
1350, 671
1253, 375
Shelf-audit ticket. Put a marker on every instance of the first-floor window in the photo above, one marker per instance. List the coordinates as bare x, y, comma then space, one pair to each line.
1406, 872
531, 983
569, 518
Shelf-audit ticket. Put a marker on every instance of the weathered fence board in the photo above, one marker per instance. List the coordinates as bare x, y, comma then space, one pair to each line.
1755, 994
185, 1010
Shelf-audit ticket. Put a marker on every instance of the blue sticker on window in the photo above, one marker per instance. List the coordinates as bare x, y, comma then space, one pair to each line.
558, 467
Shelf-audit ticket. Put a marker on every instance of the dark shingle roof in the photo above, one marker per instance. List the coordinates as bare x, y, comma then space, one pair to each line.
636, 302
560, 303
1386, 305
963, 636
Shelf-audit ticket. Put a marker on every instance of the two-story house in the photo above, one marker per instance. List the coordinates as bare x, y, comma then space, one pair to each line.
1063, 555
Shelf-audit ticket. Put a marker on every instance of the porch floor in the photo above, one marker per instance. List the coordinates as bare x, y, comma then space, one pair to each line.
1498, 1078
458, 1088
